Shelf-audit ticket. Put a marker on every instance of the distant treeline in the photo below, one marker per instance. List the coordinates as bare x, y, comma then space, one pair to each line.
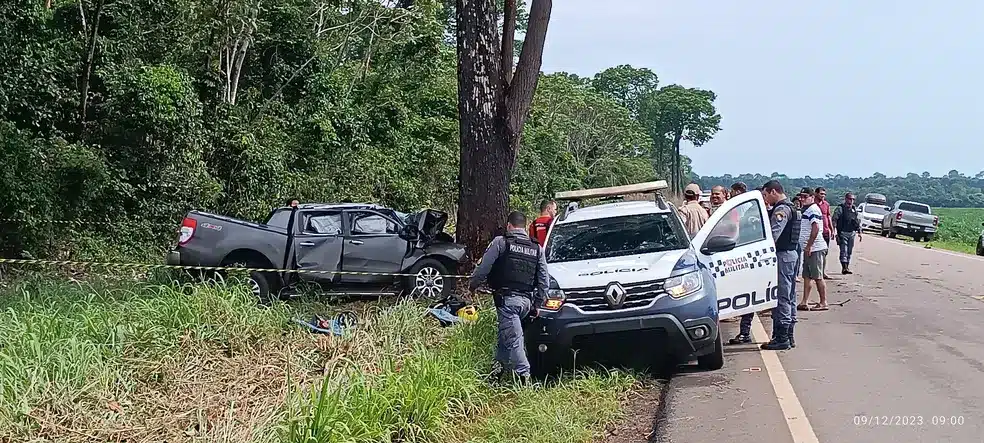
953, 190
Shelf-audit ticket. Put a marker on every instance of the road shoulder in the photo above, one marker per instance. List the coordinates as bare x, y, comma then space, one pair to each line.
735, 403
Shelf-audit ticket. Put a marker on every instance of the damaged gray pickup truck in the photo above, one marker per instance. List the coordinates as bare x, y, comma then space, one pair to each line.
359, 240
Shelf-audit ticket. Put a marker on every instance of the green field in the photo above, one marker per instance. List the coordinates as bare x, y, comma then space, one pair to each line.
959, 229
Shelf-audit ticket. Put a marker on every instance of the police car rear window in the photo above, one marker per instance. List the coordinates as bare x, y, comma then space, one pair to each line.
614, 237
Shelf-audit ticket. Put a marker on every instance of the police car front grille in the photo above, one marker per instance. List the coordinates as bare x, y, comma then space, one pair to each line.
637, 295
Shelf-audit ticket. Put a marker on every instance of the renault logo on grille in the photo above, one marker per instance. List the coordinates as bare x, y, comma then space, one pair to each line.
615, 295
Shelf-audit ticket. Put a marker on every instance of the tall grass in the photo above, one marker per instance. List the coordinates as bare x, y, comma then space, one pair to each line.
959, 229
143, 362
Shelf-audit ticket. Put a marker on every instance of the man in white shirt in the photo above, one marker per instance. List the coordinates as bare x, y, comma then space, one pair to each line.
814, 247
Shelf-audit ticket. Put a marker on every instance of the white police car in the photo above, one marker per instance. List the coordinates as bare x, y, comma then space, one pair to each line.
625, 268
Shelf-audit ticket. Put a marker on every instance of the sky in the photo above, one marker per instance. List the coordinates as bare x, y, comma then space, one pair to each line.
804, 88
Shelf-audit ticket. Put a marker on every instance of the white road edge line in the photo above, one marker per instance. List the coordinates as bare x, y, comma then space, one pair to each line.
792, 410
869, 261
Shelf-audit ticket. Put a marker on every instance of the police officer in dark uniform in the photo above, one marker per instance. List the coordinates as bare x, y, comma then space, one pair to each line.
517, 273
785, 221
846, 227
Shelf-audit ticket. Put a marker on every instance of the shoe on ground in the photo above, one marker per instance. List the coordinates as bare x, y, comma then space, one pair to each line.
740, 339
777, 346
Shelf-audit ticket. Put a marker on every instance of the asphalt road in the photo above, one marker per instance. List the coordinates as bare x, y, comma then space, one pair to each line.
902, 361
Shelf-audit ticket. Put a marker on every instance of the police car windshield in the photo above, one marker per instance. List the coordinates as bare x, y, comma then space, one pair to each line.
614, 237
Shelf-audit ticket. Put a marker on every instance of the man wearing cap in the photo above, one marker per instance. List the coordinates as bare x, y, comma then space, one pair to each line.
846, 227
691, 213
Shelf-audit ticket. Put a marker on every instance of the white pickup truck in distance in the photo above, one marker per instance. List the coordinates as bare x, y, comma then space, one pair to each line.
910, 218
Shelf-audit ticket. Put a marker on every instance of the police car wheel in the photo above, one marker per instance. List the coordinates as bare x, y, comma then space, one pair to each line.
429, 280
714, 360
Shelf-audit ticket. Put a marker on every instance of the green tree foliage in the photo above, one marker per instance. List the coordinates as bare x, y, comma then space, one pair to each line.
953, 190
670, 115
125, 114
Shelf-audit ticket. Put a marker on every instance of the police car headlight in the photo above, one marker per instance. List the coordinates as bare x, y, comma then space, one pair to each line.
555, 299
683, 285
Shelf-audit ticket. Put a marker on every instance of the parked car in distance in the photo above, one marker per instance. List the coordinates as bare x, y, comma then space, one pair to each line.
363, 241
910, 218
870, 216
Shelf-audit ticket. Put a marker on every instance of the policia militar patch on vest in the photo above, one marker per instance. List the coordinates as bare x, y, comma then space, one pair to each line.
516, 268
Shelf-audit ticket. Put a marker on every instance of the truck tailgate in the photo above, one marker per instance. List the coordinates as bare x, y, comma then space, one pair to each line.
917, 218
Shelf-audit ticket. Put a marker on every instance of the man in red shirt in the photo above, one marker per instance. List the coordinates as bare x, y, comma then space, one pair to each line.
821, 196
540, 226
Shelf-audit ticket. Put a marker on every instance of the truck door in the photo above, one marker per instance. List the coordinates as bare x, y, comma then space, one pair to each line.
372, 245
318, 245
736, 245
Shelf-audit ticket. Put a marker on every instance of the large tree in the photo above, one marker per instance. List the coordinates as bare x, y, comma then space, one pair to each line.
686, 114
493, 102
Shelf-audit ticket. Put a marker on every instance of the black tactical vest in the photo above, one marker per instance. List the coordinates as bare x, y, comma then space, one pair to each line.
515, 269
789, 237
848, 221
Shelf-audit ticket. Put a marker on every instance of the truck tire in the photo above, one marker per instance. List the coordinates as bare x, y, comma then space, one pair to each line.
891, 233
980, 247
429, 281
917, 238
928, 237
714, 360
259, 284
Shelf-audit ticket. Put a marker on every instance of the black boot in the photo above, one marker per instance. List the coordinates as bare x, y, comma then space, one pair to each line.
740, 339
781, 342
792, 342
844, 269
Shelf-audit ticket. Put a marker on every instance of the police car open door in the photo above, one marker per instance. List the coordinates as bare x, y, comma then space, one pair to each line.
737, 248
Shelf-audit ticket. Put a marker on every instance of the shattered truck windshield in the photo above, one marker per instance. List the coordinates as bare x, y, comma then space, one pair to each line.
613, 237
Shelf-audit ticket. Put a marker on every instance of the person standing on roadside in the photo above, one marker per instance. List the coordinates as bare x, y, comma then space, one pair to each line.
718, 197
814, 251
846, 226
785, 223
824, 205
516, 269
745, 326
692, 214
541, 225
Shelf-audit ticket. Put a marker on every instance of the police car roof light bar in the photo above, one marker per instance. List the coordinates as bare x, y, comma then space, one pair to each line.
613, 191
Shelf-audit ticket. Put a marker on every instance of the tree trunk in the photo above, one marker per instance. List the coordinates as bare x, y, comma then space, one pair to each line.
492, 108
677, 180
87, 69
483, 179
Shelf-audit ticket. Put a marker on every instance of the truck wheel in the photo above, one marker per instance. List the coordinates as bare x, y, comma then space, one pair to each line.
928, 237
917, 238
429, 280
891, 233
980, 247
714, 360
259, 285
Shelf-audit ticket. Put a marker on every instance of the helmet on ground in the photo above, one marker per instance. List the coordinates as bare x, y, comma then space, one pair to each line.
468, 313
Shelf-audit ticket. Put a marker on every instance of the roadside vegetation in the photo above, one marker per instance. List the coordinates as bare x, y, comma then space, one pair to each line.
960, 229
111, 361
